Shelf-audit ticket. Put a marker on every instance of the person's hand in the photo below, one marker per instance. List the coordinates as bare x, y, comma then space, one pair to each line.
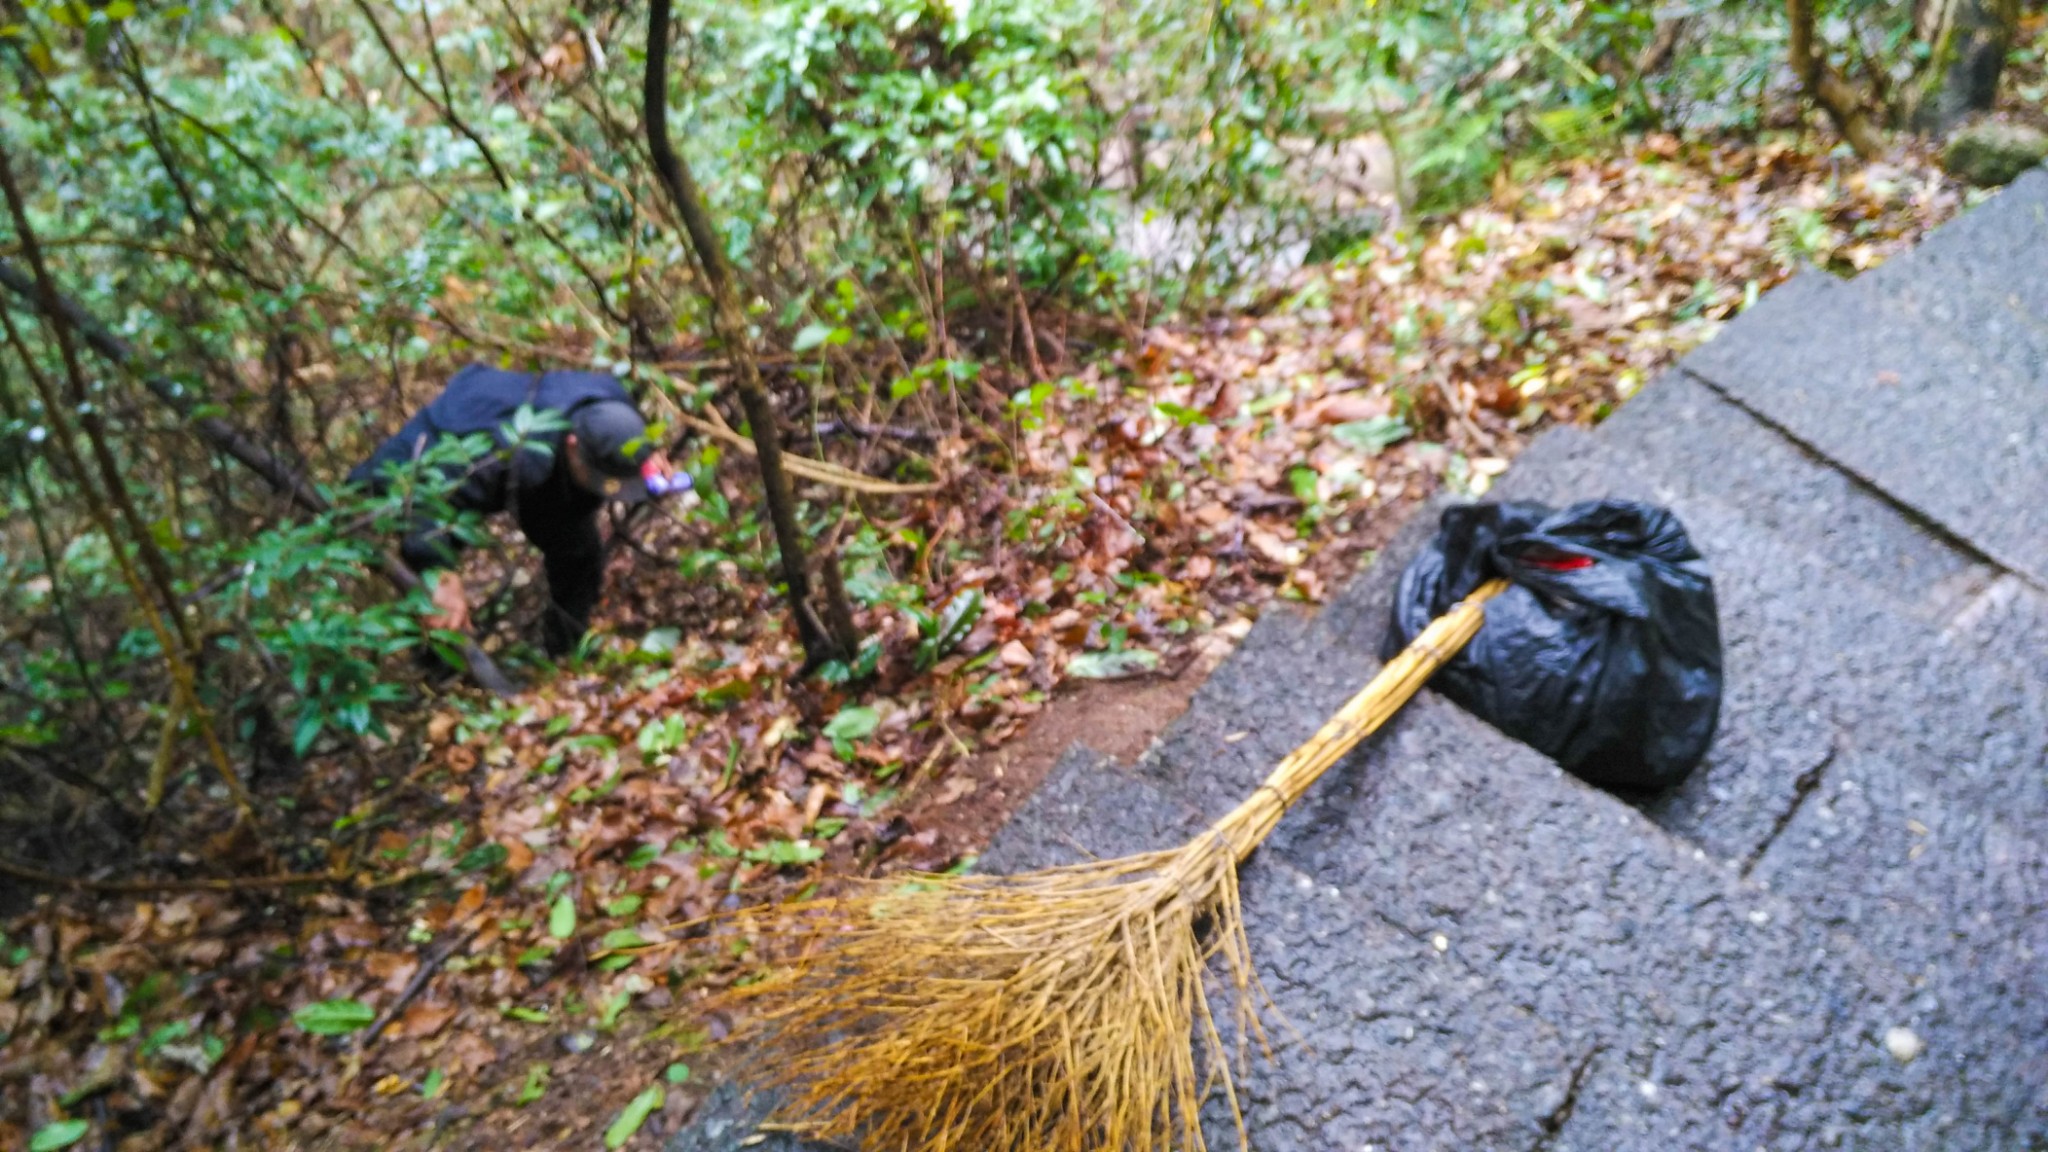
452, 600
662, 478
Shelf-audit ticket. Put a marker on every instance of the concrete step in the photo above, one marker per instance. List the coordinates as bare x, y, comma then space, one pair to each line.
1375, 1032
1923, 378
1908, 840
1991, 254
1806, 564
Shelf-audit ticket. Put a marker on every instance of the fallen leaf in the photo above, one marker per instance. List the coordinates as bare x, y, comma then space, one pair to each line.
1112, 665
422, 1019
518, 857
955, 788
1351, 407
1272, 548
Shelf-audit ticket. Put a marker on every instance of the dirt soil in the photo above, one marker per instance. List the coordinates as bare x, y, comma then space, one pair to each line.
1118, 718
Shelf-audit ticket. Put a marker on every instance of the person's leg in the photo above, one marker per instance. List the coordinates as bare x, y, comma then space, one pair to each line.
575, 567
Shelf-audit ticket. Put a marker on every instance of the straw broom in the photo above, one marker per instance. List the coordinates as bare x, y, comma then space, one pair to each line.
1048, 1010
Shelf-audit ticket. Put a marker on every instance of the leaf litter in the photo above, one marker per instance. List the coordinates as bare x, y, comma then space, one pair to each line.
499, 960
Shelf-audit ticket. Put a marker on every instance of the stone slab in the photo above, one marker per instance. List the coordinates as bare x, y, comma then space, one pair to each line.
1950, 422
1915, 842
1993, 252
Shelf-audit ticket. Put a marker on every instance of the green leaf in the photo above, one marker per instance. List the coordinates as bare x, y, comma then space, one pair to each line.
635, 1114
307, 730
622, 938
536, 1084
1112, 665
481, 857
557, 882
65, 1133
1371, 436
645, 854
434, 1082
663, 735
784, 853
124, 1028
855, 722
562, 917
1181, 414
530, 1015
661, 641
677, 1073
334, 1017
164, 1034
819, 335
623, 906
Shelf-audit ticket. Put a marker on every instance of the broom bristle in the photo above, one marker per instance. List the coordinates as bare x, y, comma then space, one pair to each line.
1049, 1010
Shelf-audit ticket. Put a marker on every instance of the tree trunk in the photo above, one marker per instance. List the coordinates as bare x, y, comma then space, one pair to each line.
1967, 41
729, 322
1825, 86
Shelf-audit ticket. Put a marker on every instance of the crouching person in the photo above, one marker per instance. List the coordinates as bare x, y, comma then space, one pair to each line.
552, 481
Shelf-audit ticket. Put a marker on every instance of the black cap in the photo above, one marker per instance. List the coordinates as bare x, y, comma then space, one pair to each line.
613, 440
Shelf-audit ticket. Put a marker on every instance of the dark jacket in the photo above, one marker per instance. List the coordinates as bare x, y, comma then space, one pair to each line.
557, 515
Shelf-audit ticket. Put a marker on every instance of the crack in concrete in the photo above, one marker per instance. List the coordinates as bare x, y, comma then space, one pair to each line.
1806, 785
1912, 515
1558, 1117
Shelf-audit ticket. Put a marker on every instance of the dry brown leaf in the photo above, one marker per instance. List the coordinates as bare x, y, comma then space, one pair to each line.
1351, 407
440, 727
518, 857
423, 1019
1271, 548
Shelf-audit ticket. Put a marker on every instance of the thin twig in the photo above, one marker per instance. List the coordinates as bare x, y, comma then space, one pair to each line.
207, 884
818, 470
413, 987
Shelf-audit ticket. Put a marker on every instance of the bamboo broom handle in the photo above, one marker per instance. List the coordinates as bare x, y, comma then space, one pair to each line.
1250, 822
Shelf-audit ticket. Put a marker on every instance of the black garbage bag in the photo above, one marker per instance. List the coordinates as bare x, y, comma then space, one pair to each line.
1604, 654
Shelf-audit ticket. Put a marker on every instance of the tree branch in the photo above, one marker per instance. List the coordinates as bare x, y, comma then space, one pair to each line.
226, 438
1825, 86
223, 884
448, 116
